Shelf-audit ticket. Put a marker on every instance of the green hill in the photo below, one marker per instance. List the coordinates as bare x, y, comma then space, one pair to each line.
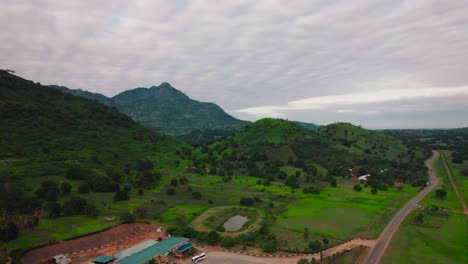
328, 152
360, 141
48, 134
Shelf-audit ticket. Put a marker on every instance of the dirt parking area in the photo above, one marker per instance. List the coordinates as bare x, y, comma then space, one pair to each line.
110, 242
233, 258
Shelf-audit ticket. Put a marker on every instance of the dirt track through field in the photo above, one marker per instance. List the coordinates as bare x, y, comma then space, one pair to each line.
455, 189
85, 249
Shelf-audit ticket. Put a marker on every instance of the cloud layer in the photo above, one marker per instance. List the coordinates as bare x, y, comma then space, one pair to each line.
316, 61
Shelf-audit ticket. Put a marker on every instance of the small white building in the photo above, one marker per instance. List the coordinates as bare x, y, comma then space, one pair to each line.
364, 177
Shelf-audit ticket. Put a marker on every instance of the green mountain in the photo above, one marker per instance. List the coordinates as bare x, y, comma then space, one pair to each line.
46, 134
330, 151
168, 110
89, 95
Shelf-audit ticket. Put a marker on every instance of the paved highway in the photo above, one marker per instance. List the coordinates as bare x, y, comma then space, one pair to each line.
377, 251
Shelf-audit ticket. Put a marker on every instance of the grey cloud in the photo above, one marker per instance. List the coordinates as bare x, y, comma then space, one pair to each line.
243, 54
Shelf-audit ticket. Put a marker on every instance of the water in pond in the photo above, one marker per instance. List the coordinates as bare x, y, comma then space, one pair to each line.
235, 223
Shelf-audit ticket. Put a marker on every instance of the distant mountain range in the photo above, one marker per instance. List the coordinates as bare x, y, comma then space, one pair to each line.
167, 110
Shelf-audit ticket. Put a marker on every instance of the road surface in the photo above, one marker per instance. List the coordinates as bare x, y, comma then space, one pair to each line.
216, 256
377, 251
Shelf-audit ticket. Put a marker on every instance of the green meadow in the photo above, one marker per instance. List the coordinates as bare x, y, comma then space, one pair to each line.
338, 213
442, 237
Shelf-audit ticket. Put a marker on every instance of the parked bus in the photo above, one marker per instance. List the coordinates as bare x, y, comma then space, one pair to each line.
199, 258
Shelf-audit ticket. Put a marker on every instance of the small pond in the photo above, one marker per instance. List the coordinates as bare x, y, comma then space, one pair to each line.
235, 223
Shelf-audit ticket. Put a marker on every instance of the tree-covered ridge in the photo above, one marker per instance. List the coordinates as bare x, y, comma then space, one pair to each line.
265, 147
47, 133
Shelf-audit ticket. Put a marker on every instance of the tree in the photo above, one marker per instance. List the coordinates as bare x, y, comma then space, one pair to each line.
140, 211
196, 195
303, 261
126, 217
121, 195
247, 201
357, 187
306, 233
83, 188
65, 188
144, 165
315, 245
174, 182
373, 191
333, 182
269, 246
53, 209
213, 237
8, 231
419, 218
91, 210
464, 170
78, 173
325, 241
170, 191
228, 242
48, 191
441, 193
75, 206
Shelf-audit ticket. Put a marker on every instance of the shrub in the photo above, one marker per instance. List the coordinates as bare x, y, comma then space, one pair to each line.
126, 217
65, 188
196, 195
170, 191
83, 188
213, 237
8, 231
121, 195
357, 187
228, 242
247, 201
315, 245
269, 246
464, 170
373, 191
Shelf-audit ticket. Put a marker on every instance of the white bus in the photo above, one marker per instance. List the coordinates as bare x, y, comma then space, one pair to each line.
199, 258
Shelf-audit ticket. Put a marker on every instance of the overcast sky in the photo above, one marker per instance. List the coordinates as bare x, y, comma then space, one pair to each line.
380, 64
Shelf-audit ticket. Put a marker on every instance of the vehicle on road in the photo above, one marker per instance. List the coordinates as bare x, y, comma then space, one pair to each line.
199, 258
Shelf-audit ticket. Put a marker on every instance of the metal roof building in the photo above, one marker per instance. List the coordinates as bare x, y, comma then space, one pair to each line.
161, 248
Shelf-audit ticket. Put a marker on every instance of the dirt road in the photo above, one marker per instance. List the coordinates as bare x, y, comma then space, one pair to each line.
216, 256
455, 189
376, 253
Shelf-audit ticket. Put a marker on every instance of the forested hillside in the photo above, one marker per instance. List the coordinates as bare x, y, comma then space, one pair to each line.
53, 141
336, 150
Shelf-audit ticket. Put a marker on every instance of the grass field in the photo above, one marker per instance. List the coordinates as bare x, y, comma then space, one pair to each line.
342, 213
414, 244
460, 180
290, 209
438, 239
348, 257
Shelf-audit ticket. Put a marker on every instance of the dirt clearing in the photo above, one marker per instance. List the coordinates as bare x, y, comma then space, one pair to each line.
85, 249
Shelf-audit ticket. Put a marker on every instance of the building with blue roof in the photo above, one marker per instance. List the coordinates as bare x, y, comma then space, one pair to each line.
161, 248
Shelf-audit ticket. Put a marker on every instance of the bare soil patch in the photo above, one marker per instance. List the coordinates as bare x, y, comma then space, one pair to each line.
109, 242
